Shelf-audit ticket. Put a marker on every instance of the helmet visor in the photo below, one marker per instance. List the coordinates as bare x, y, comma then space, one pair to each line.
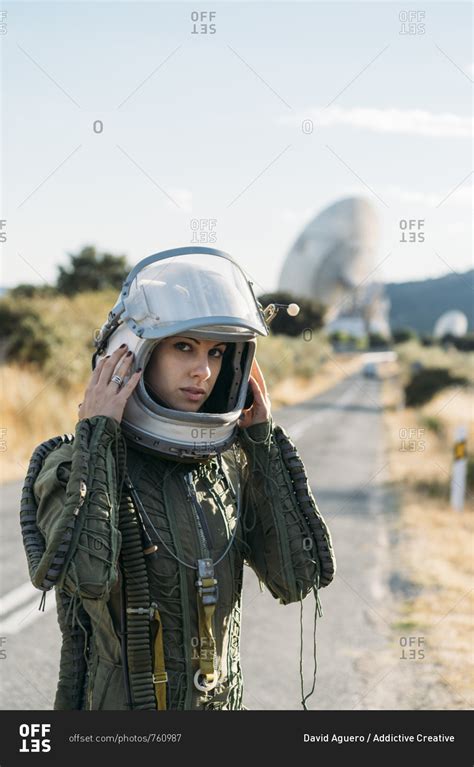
191, 290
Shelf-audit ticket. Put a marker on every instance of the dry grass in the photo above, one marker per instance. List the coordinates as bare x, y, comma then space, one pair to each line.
435, 549
70, 324
459, 363
298, 388
37, 405
34, 408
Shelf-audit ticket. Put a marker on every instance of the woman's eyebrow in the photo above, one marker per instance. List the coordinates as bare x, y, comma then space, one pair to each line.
220, 343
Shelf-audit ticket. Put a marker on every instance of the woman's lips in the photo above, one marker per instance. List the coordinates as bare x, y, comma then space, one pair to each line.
193, 394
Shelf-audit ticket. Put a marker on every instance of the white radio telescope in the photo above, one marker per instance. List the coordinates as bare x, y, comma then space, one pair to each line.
331, 262
453, 323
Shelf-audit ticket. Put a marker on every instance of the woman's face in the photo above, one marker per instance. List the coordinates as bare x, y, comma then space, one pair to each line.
182, 371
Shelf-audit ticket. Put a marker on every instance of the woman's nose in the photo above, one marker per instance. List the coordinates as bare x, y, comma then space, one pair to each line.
202, 369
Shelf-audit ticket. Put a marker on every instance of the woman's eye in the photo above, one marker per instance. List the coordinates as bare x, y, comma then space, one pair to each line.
184, 347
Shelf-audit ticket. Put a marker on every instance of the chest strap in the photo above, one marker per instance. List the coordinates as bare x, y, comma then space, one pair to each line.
160, 677
207, 593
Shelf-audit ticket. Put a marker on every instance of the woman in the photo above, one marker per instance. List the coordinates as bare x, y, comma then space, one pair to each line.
175, 477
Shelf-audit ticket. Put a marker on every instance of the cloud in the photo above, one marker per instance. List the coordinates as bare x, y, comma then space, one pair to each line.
415, 122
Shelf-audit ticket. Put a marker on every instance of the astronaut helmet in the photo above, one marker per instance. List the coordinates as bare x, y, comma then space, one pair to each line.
201, 293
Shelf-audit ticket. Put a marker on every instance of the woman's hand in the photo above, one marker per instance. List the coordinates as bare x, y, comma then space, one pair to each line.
105, 397
260, 411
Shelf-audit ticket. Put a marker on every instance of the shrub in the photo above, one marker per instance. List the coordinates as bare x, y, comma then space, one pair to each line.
427, 341
434, 488
27, 337
434, 424
377, 341
470, 474
9, 319
462, 343
400, 335
25, 290
427, 382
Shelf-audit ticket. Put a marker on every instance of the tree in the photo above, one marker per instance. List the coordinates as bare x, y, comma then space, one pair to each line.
90, 271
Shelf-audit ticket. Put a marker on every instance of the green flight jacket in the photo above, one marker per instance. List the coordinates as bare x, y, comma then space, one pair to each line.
280, 534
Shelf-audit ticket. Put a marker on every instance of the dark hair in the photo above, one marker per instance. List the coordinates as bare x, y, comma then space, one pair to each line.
219, 397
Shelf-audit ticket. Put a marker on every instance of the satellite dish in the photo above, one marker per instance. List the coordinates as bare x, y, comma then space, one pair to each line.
333, 254
453, 323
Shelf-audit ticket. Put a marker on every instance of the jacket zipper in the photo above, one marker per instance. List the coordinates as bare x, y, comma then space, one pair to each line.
199, 518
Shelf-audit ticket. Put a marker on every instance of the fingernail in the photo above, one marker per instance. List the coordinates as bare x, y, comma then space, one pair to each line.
122, 346
139, 370
128, 354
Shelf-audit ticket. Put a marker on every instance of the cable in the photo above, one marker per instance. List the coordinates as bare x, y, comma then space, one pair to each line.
175, 556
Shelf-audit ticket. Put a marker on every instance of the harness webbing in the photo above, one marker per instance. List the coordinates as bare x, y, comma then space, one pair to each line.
137, 595
160, 677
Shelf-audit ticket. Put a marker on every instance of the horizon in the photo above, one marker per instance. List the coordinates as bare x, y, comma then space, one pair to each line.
4, 288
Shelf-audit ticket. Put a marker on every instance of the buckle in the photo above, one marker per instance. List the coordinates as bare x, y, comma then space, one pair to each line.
160, 677
206, 583
150, 611
209, 594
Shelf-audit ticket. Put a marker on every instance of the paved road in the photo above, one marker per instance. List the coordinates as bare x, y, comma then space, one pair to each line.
340, 437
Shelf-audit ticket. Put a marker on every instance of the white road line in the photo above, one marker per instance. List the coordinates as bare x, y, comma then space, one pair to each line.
296, 430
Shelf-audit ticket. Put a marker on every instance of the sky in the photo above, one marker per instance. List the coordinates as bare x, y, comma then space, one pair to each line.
137, 127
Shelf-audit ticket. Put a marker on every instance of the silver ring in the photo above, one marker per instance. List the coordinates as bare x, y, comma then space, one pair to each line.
117, 379
205, 686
